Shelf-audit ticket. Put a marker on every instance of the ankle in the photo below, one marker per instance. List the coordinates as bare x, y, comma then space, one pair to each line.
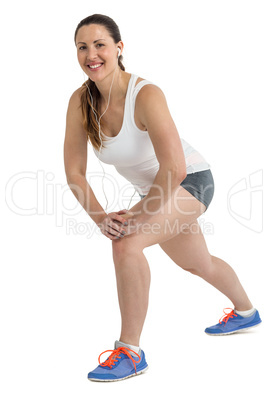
133, 348
130, 341
243, 307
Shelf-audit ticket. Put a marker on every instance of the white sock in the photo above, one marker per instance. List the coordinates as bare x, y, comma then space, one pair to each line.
119, 344
246, 313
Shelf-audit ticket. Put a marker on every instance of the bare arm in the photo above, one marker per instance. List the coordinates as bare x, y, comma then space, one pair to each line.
155, 116
75, 160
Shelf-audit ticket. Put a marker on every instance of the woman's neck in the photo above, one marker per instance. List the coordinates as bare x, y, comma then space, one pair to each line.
119, 87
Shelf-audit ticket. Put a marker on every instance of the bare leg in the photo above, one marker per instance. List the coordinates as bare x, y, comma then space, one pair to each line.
189, 251
223, 278
132, 269
133, 283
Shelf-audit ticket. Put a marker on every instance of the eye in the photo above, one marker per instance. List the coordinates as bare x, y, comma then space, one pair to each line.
100, 44
82, 47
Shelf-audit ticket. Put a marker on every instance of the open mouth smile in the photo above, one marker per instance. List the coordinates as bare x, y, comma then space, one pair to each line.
95, 67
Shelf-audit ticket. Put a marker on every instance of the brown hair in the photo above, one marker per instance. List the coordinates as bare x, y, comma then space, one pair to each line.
90, 123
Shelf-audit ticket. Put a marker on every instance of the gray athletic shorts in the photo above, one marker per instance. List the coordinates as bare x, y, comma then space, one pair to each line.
200, 185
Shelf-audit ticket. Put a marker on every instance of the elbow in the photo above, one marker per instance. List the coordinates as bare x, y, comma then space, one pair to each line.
74, 177
182, 175
69, 178
178, 173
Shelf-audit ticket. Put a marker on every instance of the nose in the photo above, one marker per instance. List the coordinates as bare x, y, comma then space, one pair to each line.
91, 54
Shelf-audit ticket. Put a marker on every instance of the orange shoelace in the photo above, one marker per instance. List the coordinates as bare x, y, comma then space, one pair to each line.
115, 356
226, 316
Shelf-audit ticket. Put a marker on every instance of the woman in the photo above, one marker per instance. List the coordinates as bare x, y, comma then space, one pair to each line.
128, 123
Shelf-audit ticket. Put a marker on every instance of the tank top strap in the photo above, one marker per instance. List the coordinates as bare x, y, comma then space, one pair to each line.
138, 87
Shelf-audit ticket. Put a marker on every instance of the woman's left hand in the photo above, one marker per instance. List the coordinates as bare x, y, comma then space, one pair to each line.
131, 227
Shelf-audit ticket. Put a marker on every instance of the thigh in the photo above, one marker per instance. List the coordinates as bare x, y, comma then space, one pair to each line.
175, 217
188, 249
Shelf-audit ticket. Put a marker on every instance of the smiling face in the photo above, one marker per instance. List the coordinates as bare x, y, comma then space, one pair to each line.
97, 52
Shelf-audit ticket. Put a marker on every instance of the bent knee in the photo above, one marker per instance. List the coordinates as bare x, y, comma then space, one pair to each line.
125, 247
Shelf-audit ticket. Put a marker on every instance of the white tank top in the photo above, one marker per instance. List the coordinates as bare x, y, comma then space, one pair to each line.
131, 151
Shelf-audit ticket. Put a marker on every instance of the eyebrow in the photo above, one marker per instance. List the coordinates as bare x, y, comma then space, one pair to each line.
93, 42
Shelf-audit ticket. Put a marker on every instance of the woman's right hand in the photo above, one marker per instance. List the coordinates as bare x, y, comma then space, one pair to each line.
112, 226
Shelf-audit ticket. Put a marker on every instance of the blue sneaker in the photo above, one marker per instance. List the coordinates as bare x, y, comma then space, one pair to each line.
233, 322
119, 365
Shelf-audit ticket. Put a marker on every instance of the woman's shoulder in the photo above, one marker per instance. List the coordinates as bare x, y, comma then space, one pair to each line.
75, 101
149, 89
147, 96
74, 105
75, 96
148, 83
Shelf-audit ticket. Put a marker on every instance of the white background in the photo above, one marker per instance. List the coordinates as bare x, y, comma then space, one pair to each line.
59, 306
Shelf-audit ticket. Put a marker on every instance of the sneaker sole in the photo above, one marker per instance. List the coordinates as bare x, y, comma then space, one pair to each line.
119, 379
233, 332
